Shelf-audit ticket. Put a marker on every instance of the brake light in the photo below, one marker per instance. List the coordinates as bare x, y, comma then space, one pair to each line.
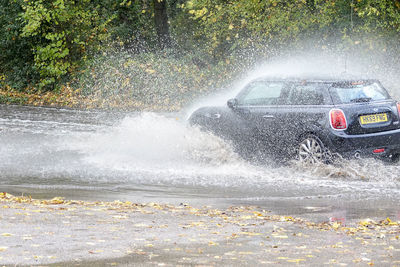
338, 119
379, 150
398, 108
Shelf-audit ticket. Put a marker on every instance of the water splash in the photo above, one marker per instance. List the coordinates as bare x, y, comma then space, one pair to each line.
167, 148
164, 153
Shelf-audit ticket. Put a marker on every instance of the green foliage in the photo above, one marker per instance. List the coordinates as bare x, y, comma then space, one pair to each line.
64, 32
231, 25
5, 99
132, 27
274, 24
150, 79
16, 59
46, 43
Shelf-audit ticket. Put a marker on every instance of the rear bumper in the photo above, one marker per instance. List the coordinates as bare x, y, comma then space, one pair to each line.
365, 144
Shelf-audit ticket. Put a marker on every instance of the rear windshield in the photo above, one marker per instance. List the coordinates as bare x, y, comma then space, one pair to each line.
357, 92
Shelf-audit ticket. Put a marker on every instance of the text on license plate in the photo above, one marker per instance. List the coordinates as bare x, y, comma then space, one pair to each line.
375, 118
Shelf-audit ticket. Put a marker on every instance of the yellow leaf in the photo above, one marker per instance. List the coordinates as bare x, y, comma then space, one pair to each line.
6, 234
57, 200
367, 222
336, 225
231, 26
289, 218
246, 253
150, 71
281, 236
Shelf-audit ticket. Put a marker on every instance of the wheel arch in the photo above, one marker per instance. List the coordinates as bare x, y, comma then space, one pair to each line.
324, 142
300, 136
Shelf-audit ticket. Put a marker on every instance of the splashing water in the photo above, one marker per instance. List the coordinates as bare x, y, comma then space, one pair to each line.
150, 143
150, 155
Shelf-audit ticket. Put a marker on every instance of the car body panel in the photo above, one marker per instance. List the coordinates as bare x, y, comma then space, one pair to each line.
279, 127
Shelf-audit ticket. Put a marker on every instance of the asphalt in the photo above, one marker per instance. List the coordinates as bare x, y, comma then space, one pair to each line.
62, 232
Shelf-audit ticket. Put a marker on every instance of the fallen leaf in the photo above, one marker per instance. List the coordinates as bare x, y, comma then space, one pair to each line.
6, 234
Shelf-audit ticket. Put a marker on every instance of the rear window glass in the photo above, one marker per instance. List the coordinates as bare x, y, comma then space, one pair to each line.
358, 92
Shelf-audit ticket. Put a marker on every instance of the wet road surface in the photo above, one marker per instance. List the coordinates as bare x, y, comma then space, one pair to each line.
146, 157
220, 208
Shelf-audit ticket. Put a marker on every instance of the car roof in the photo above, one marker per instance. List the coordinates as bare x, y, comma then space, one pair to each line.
317, 78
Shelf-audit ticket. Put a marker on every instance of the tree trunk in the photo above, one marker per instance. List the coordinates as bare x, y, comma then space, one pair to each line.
161, 23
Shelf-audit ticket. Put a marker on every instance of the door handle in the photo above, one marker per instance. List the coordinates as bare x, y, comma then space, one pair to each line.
268, 116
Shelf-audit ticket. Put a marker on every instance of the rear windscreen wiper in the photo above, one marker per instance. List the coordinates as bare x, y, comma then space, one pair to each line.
361, 99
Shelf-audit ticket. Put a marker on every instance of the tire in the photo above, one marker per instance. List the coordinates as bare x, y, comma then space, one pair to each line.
396, 158
311, 150
393, 159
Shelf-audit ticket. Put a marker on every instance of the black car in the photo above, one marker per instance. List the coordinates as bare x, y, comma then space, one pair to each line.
308, 119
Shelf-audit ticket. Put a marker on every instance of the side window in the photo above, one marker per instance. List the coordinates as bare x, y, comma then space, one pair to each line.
309, 94
262, 93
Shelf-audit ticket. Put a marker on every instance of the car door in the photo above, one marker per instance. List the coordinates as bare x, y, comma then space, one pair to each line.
257, 105
306, 111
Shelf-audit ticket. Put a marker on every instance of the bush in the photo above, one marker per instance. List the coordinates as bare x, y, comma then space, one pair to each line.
166, 80
64, 32
16, 59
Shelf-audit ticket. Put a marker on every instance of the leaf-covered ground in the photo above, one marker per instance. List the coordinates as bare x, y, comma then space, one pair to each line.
121, 81
68, 97
83, 233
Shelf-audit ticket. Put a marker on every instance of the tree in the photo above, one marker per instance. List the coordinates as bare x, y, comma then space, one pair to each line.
64, 32
16, 59
161, 23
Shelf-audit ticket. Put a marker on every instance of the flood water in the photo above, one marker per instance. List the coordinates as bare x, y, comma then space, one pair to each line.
150, 157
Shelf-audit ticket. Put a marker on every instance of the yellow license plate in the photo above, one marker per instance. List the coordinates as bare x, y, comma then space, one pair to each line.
375, 118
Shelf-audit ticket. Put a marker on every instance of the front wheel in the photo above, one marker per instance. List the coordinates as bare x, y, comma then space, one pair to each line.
311, 150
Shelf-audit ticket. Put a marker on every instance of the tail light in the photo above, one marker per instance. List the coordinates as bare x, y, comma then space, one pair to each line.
338, 119
379, 150
398, 108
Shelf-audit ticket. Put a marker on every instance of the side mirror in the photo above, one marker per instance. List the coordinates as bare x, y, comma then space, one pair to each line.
232, 103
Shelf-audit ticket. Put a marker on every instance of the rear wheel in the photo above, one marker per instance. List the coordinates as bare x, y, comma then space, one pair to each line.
395, 158
311, 150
